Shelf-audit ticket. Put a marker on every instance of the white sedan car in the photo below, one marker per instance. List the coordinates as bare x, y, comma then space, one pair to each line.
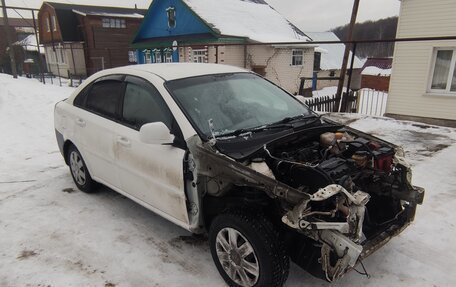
219, 149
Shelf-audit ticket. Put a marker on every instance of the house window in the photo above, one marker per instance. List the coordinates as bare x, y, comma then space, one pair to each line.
147, 57
157, 56
317, 61
106, 23
443, 71
171, 13
199, 56
54, 25
168, 56
132, 57
60, 56
113, 23
297, 57
48, 25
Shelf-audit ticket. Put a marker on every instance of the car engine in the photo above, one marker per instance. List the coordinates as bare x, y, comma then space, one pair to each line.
355, 187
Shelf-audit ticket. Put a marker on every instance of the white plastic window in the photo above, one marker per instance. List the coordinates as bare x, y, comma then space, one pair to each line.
443, 72
297, 58
199, 56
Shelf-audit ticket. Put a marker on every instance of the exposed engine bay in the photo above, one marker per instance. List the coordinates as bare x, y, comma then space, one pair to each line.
352, 182
346, 191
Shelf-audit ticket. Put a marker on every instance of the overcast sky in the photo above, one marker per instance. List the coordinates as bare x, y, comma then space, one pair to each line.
309, 15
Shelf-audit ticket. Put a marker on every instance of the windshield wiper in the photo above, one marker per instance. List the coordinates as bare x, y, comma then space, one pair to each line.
296, 118
254, 130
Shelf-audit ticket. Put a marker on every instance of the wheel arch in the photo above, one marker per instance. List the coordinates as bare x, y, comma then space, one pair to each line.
66, 148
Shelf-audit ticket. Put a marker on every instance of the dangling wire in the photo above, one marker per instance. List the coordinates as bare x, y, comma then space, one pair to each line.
364, 270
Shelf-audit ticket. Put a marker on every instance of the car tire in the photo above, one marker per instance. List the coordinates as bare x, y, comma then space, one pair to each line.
262, 262
79, 171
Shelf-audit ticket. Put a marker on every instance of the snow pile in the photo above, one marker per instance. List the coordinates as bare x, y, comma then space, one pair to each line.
331, 54
328, 91
375, 71
52, 234
106, 14
255, 20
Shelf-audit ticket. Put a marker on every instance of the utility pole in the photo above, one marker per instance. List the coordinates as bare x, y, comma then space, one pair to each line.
40, 64
8, 40
348, 46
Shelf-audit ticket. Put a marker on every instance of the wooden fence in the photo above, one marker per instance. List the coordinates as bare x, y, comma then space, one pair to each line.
365, 101
323, 104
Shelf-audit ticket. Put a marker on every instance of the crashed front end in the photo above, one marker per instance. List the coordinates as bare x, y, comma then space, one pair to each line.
344, 193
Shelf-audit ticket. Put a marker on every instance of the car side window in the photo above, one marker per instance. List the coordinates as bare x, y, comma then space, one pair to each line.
143, 104
104, 97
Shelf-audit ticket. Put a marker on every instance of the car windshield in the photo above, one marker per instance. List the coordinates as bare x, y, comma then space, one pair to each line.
224, 103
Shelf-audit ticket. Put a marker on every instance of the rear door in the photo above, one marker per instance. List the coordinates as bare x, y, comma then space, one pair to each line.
152, 173
95, 125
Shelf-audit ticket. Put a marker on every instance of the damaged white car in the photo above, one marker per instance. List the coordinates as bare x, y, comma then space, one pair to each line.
220, 150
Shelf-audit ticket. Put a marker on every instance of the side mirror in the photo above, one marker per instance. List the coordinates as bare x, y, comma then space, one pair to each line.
155, 133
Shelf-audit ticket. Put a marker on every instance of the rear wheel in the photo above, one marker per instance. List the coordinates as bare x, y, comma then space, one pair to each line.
79, 171
247, 250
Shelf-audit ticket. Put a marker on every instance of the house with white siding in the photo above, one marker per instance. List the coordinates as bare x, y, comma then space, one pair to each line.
423, 80
223, 32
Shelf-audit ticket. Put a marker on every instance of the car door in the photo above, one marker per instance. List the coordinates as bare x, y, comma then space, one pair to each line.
152, 173
95, 123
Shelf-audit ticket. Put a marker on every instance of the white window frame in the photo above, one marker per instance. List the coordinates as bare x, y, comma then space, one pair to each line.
48, 25
132, 57
168, 55
61, 55
157, 56
447, 90
106, 23
199, 55
293, 57
147, 57
115, 23
54, 23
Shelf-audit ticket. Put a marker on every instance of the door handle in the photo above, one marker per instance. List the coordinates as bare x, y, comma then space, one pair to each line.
123, 141
80, 122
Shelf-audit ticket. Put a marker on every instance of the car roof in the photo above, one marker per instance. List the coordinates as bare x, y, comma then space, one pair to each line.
174, 71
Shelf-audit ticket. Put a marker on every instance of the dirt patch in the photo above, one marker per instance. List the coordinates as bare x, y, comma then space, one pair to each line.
109, 284
25, 254
173, 254
428, 136
195, 241
69, 190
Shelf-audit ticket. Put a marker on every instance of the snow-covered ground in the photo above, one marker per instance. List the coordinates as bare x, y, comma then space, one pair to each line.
53, 235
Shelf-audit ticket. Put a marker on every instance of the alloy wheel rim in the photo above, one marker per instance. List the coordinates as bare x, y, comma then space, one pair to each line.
77, 168
237, 257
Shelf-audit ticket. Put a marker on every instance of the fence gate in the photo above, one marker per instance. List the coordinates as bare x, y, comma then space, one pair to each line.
365, 101
371, 102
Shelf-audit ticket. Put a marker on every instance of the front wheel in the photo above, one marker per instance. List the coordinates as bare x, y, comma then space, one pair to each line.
247, 250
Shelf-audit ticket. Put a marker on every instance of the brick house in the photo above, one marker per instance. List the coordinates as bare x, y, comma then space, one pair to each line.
232, 25
81, 40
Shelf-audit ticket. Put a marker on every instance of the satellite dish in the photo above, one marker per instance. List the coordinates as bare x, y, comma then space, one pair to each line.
174, 45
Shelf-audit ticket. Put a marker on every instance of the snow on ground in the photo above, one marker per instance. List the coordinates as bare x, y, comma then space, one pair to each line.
328, 91
52, 234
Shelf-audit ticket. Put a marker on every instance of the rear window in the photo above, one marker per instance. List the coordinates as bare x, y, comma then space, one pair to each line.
104, 98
